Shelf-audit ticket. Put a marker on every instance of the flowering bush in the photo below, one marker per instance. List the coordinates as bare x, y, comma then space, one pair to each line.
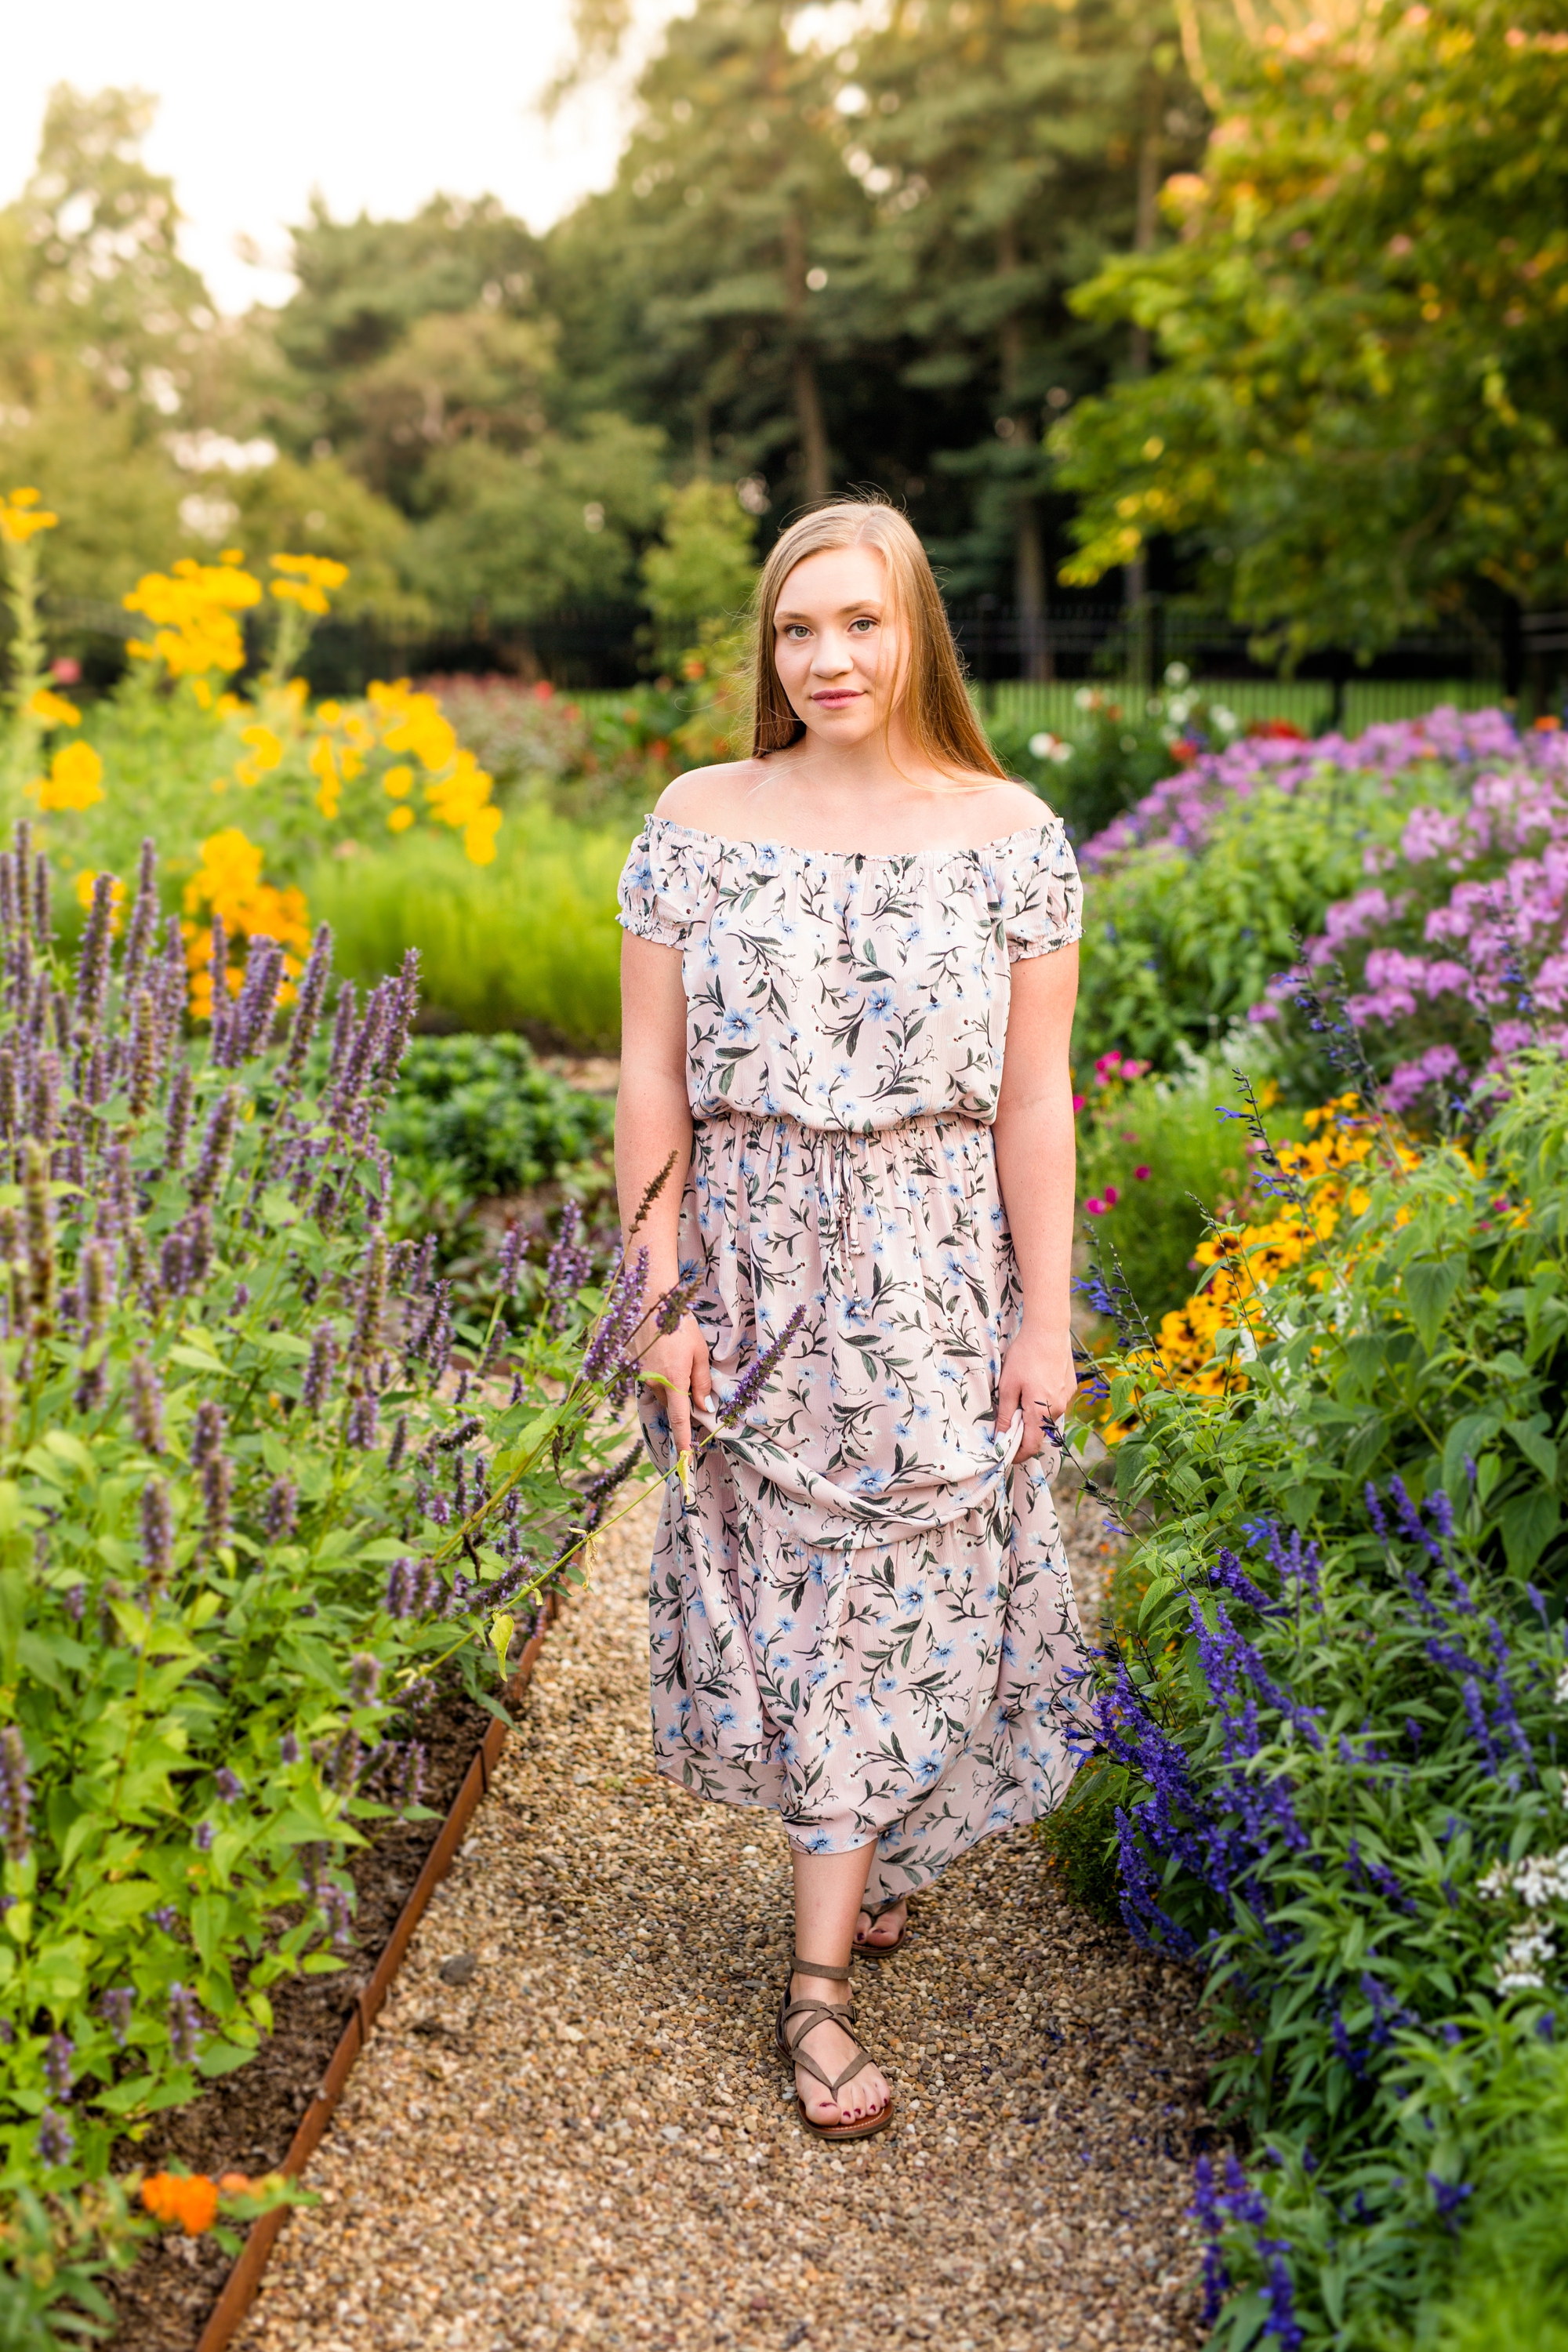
175, 746
1329, 1738
1456, 947
1196, 897
259, 1485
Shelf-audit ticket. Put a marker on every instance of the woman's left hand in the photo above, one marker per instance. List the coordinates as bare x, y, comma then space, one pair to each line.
1038, 1379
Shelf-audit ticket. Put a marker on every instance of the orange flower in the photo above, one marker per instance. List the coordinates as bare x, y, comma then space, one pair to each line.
236, 2184
189, 2199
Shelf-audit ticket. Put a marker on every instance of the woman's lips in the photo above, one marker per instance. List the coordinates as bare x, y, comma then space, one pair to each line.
836, 698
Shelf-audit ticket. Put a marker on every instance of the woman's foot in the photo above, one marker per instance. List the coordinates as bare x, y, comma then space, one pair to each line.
879, 1931
865, 2093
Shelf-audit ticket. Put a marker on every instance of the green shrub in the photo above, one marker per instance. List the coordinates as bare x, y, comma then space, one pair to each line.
1079, 1840
529, 944
482, 1112
244, 1512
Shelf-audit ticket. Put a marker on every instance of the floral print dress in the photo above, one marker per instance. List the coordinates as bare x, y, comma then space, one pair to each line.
861, 1614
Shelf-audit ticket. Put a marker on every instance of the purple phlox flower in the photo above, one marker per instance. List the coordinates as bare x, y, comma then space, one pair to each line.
1450, 2196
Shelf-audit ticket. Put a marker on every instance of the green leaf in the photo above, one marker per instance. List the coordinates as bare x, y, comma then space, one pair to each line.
321, 1964
1428, 1285
209, 1917
223, 2058
1537, 1449
1528, 1523
1465, 1440
198, 1359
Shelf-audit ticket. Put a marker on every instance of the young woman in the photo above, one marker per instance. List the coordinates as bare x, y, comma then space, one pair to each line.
849, 982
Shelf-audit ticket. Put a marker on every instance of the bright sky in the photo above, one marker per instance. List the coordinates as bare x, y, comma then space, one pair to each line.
379, 103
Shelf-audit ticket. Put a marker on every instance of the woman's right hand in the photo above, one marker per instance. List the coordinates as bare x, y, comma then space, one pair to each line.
677, 1363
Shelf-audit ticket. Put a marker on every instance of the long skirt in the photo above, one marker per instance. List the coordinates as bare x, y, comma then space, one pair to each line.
862, 1615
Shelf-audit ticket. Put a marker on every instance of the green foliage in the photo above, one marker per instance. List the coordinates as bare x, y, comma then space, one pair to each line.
1154, 1154
480, 1112
1342, 1754
1358, 415
1079, 1840
1181, 941
224, 1421
703, 567
529, 944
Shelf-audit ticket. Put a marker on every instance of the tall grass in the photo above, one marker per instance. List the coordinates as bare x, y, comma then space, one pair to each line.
530, 943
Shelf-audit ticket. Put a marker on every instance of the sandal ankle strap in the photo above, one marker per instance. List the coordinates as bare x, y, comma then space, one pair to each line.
814, 1968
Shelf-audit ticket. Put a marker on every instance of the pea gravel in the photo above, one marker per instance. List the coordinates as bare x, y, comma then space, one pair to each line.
567, 2129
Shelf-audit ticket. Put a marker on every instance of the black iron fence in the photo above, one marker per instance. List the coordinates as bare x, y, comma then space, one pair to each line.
613, 645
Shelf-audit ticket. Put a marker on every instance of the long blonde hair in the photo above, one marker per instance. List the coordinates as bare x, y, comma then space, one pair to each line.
932, 701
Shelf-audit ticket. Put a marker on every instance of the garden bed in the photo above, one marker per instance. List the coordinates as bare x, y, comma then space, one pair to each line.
248, 2120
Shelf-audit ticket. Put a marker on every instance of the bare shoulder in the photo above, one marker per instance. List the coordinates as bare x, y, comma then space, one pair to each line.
711, 800
1012, 808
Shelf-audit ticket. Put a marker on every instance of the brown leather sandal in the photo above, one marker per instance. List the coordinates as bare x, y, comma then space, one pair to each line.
818, 2012
874, 1911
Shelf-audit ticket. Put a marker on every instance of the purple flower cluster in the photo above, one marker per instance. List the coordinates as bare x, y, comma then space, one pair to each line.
1457, 944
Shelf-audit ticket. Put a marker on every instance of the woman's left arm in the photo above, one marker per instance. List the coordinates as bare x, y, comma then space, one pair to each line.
1036, 1162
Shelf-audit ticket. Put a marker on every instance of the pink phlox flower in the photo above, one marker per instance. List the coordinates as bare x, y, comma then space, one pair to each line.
1410, 1080
1429, 833
1351, 918
1551, 983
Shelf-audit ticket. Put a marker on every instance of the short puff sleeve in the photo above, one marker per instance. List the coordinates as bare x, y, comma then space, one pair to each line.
663, 883
1042, 894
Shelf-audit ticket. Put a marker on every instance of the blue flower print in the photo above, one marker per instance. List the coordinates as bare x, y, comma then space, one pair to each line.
739, 1028
881, 1004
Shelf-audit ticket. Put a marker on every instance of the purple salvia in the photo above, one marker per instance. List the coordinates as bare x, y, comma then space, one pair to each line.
55, 2140
218, 1491
228, 1785
98, 1287
185, 2024
177, 1125
166, 1917
146, 1404
289, 1750
206, 1431
145, 1037
404, 1006
44, 1097
399, 1447
16, 1795
251, 1027
157, 1533
400, 1588
361, 1424
309, 1001
43, 911
423, 1265
752, 1381
60, 2067
117, 2007
364, 1679
174, 1262
360, 1059
622, 1313
280, 1510
141, 930
371, 1308
10, 1096
218, 973
38, 1235
73, 1600
93, 963
204, 1837
217, 1144
7, 892
345, 1027
1374, 1511
61, 1014
511, 1258
317, 1383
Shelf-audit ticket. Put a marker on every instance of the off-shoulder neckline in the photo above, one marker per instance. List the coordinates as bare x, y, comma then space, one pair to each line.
861, 856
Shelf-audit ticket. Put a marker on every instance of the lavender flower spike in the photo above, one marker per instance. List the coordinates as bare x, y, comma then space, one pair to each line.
754, 1380
16, 1794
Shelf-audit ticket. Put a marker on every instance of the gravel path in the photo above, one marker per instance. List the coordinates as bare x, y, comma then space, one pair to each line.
567, 2129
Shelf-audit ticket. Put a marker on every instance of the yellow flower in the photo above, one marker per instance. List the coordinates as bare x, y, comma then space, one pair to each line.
266, 750
220, 783
191, 609
51, 710
399, 819
306, 579
397, 784
480, 836
75, 779
228, 883
228, 705
324, 768
328, 713
21, 516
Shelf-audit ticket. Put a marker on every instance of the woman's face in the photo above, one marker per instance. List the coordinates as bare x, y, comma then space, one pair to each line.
836, 644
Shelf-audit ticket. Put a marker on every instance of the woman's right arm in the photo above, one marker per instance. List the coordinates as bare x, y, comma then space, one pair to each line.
653, 1121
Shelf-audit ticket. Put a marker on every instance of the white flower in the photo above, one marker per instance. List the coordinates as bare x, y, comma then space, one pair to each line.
1527, 1952
1225, 719
1563, 1687
1043, 746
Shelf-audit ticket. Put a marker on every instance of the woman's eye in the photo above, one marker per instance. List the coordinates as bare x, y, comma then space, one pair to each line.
796, 630
865, 621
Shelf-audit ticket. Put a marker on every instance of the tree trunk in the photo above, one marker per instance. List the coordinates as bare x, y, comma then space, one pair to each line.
1028, 543
810, 429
